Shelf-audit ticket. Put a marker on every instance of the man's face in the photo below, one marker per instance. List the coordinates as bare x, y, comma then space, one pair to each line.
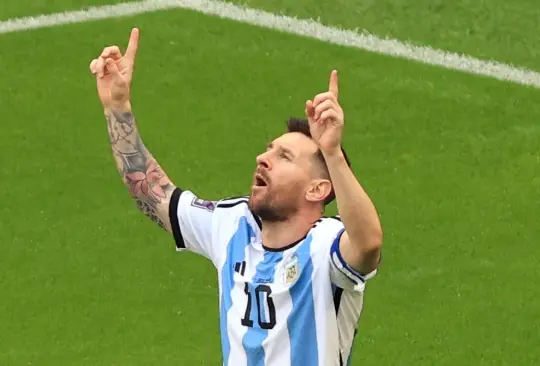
283, 175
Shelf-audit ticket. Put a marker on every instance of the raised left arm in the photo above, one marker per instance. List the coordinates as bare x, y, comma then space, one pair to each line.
360, 245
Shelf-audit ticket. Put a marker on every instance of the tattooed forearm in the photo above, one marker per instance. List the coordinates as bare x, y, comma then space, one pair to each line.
151, 213
123, 134
146, 181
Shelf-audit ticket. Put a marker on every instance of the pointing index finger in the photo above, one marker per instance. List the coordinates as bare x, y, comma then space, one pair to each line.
133, 44
333, 85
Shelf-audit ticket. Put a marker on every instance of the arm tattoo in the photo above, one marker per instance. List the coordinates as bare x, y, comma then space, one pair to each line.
151, 212
140, 172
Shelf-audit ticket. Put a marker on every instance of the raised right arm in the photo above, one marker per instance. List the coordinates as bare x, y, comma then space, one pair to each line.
147, 183
182, 213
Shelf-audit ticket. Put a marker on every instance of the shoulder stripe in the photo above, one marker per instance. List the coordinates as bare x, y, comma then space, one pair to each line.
234, 198
173, 217
235, 201
232, 201
229, 204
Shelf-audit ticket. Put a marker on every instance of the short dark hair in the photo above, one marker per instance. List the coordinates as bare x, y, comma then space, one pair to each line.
302, 126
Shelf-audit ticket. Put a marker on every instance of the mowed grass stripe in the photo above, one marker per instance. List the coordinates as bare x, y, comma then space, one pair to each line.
27, 8
302, 27
506, 31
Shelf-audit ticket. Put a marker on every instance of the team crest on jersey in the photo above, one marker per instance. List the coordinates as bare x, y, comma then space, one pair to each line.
291, 271
204, 204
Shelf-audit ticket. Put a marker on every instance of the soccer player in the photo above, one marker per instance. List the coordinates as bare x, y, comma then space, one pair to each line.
291, 281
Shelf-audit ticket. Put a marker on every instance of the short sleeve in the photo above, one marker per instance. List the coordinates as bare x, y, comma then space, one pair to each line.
343, 275
191, 222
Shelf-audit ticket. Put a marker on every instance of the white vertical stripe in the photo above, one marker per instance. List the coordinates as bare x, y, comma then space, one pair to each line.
253, 258
347, 321
278, 344
235, 329
327, 335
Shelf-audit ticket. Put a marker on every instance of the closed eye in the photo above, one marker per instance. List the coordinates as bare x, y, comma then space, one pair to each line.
282, 152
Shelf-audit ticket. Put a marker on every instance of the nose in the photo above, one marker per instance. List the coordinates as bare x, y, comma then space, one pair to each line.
263, 160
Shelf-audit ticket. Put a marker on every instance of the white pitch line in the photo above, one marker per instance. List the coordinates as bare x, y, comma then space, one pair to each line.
307, 28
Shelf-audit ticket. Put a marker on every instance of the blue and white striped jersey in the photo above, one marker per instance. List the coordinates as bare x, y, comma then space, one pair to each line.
296, 306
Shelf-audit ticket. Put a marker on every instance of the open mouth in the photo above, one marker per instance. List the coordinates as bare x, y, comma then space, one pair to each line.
259, 181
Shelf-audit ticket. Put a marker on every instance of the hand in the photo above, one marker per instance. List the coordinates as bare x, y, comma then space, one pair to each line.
114, 72
326, 118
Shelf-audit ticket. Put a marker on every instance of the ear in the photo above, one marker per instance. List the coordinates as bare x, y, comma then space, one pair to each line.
318, 190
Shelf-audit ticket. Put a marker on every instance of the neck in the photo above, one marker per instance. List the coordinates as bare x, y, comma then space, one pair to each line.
280, 234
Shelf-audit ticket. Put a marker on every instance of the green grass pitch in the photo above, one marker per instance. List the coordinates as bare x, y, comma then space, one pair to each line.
451, 160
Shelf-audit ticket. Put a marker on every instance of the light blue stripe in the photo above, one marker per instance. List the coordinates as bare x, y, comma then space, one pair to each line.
301, 321
255, 336
235, 254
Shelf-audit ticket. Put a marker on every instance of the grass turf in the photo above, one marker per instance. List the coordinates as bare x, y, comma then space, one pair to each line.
450, 159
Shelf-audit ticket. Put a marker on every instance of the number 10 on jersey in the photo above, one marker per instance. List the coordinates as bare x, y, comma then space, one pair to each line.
266, 310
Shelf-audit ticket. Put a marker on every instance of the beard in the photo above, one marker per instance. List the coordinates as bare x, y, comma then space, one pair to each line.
269, 209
